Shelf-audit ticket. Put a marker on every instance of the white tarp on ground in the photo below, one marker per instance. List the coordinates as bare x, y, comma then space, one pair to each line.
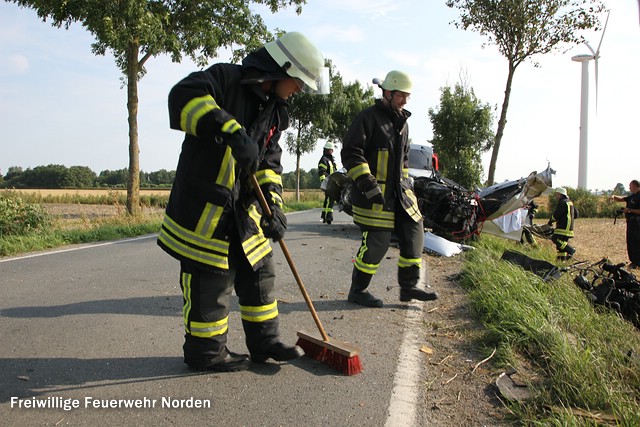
442, 246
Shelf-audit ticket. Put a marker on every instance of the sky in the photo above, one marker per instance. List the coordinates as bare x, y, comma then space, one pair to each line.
60, 104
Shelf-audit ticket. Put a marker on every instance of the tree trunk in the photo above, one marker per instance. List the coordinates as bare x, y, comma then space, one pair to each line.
298, 165
133, 186
298, 176
501, 124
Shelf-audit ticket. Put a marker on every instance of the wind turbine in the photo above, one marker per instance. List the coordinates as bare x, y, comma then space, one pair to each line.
584, 106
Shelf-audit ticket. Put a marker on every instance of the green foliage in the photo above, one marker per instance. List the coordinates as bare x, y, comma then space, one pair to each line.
136, 30
315, 117
50, 176
522, 29
308, 180
619, 189
574, 355
345, 101
18, 218
588, 204
461, 133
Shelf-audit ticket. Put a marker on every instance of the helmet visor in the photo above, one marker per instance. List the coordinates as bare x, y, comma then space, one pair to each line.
323, 84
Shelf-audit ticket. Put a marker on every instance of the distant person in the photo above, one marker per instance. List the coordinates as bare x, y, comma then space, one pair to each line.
632, 214
375, 153
564, 216
233, 117
327, 166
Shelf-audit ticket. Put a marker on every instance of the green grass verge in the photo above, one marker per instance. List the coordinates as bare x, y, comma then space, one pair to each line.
576, 356
118, 227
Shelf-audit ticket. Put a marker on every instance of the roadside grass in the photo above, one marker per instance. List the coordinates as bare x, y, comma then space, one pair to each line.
54, 232
574, 356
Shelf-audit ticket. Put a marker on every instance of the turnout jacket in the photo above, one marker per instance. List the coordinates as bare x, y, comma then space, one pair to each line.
211, 199
376, 155
564, 214
326, 166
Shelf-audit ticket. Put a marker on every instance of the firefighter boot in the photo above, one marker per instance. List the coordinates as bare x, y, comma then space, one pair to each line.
263, 341
358, 294
407, 294
329, 217
204, 354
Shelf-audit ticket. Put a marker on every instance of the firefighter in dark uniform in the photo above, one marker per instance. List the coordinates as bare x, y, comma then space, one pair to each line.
375, 153
632, 214
564, 216
233, 117
327, 166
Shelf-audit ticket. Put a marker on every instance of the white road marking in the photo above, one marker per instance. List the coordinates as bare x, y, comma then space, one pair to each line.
88, 246
404, 396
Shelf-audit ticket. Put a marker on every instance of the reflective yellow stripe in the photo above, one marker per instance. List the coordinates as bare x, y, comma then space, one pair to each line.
194, 110
259, 313
277, 199
360, 264
231, 126
227, 174
413, 211
257, 246
185, 279
358, 170
268, 176
383, 164
409, 262
185, 242
373, 218
209, 219
209, 329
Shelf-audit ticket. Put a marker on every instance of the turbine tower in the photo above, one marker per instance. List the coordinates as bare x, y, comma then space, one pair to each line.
584, 107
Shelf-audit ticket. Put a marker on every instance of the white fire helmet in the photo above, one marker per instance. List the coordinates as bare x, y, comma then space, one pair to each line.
300, 59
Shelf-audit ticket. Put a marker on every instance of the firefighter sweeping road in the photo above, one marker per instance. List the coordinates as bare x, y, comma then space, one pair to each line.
91, 335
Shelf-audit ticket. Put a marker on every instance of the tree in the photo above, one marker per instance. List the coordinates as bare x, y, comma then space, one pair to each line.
79, 177
309, 114
461, 133
619, 189
524, 28
137, 30
346, 101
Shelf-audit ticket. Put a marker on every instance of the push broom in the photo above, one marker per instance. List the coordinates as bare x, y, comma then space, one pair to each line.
336, 354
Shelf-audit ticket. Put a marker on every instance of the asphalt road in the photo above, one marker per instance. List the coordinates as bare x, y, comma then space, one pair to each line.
100, 325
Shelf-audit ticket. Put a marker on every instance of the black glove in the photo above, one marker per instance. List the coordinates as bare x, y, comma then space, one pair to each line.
244, 150
377, 198
372, 191
274, 227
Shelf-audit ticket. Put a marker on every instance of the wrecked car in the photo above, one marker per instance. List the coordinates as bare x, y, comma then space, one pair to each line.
452, 211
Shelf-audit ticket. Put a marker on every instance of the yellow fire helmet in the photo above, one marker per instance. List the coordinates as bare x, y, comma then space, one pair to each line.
299, 58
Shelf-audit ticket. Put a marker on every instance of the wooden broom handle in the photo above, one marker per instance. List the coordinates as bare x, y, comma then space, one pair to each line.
287, 255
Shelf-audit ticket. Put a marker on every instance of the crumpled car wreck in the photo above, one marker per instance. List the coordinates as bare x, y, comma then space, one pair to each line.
450, 210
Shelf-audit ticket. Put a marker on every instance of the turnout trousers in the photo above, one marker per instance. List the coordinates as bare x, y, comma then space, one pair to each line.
375, 244
206, 298
633, 239
562, 245
327, 209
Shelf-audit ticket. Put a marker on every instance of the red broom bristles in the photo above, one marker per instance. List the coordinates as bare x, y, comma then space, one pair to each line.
345, 364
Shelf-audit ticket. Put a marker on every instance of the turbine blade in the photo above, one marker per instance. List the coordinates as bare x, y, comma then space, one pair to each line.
602, 37
593, 52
